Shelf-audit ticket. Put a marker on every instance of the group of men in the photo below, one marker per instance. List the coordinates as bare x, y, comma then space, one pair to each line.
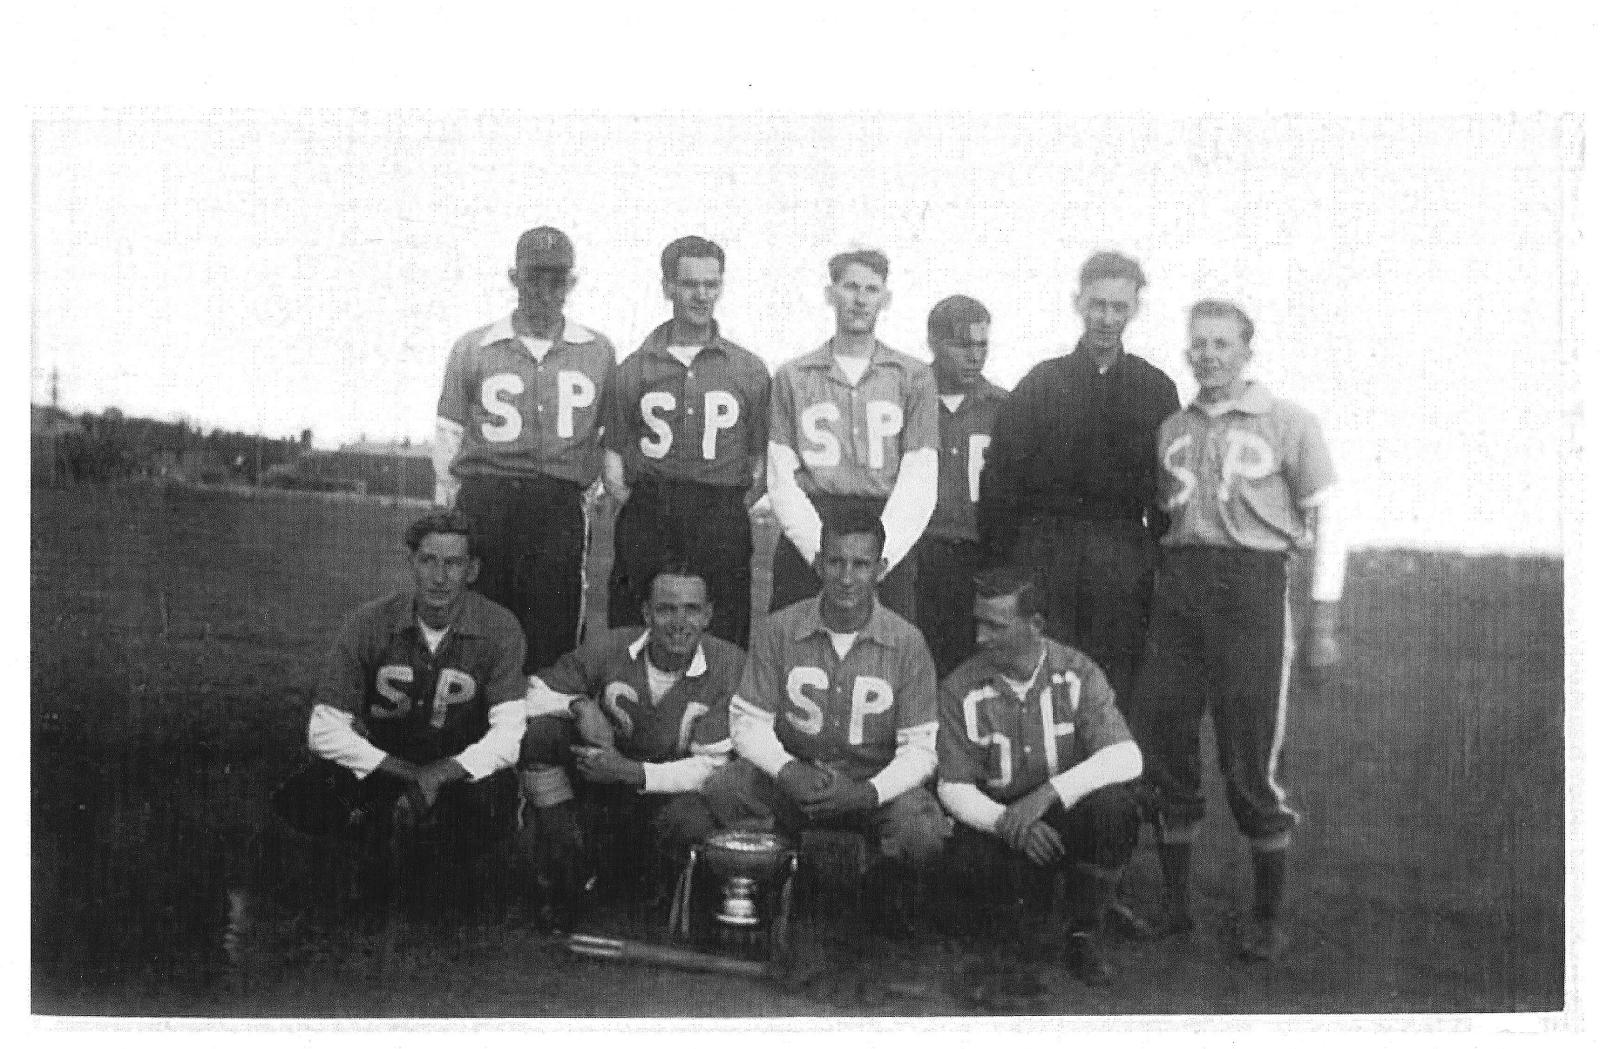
996, 621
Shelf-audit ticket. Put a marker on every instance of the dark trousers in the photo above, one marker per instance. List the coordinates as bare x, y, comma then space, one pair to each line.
909, 828
326, 800
706, 524
532, 537
624, 829
1095, 577
1100, 831
945, 568
794, 580
1218, 641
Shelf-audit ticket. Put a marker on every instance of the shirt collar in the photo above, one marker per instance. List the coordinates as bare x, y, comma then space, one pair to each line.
1084, 354
1255, 400
659, 341
809, 624
401, 613
570, 332
696, 667
821, 358
984, 391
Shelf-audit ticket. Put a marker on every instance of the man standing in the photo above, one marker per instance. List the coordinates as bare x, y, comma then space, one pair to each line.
948, 554
417, 716
518, 442
1033, 758
1247, 479
1069, 488
834, 721
685, 420
639, 717
855, 427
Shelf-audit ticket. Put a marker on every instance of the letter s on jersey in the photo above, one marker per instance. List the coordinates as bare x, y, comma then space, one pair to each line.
494, 396
1182, 474
388, 680
820, 446
804, 713
658, 442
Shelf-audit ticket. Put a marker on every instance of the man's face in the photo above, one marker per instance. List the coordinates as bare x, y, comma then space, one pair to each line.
850, 567
442, 570
960, 365
857, 297
678, 612
1009, 639
541, 290
1106, 306
1217, 351
694, 291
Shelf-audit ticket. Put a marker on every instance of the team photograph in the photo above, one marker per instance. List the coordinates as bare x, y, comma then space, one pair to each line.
550, 567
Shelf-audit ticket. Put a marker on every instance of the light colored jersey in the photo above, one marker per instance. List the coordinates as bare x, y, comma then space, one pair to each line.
1007, 745
848, 714
521, 415
1243, 473
850, 436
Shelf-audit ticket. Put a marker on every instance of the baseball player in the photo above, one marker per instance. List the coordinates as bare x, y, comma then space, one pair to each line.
518, 442
1069, 488
1248, 480
948, 553
855, 426
622, 733
686, 442
1033, 758
834, 721
418, 714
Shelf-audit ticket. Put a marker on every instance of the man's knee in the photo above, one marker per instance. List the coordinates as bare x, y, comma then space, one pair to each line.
547, 740
682, 822
1113, 816
734, 796
912, 828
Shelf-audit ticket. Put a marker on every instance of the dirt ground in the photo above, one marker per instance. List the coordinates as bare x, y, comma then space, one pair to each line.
176, 634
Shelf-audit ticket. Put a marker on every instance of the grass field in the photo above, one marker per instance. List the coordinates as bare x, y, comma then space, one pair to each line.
176, 633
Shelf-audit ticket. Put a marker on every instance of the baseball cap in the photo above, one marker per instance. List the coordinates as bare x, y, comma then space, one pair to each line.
544, 248
958, 319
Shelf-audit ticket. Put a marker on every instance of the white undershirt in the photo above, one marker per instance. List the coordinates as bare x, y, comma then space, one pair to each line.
537, 347
431, 637
853, 367
1021, 687
953, 401
842, 642
685, 354
661, 681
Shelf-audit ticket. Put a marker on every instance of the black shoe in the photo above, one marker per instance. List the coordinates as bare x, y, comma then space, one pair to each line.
1086, 961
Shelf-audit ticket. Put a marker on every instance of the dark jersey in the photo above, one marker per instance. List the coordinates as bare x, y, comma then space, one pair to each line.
421, 705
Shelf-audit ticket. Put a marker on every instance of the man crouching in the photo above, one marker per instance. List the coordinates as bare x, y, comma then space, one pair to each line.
621, 735
417, 717
834, 722
1033, 756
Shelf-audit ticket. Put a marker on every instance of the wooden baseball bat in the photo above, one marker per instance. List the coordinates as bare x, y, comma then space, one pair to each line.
656, 954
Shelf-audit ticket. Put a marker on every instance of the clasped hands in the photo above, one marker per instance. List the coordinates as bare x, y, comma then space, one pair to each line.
823, 793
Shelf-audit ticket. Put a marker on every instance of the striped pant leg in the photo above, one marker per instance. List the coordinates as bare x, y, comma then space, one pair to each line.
1248, 656
1170, 696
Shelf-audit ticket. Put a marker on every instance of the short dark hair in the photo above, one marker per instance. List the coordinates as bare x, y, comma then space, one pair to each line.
1011, 581
679, 566
1224, 308
1113, 265
871, 258
853, 521
690, 248
442, 522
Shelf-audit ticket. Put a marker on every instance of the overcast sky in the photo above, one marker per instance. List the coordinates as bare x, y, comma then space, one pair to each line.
312, 270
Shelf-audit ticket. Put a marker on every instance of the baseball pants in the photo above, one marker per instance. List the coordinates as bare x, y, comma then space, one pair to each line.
1219, 639
326, 800
706, 524
1095, 577
945, 568
532, 537
1100, 832
624, 826
910, 828
794, 580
